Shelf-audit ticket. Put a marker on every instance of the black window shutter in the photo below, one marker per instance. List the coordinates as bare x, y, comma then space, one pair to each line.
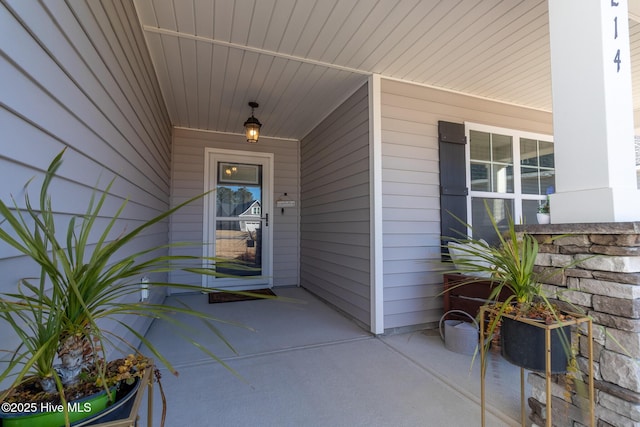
453, 181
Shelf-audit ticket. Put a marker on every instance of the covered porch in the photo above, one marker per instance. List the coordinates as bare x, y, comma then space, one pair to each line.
351, 96
308, 365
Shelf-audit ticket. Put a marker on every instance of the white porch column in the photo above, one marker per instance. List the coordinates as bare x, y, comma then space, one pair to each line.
375, 207
592, 112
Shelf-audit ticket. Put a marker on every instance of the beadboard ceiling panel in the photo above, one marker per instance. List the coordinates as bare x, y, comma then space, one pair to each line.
299, 59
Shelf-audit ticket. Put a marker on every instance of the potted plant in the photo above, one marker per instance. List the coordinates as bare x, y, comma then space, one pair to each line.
58, 316
542, 215
516, 293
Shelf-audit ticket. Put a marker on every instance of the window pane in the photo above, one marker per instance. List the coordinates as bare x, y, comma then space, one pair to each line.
500, 210
234, 173
530, 181
240, 244
529, 211
502, 178
537, 173
234, 201
547, 181
502, 148
479, 145
491, 162
546, 154
480, 177
528, 152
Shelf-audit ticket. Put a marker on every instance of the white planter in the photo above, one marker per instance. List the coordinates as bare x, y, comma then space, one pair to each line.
543, 218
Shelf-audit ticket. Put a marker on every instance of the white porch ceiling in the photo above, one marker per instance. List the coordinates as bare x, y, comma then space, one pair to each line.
299, 59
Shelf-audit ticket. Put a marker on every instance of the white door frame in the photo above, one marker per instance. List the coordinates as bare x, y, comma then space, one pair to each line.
211, 157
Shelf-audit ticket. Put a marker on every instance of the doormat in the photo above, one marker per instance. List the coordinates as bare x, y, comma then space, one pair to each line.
215, 297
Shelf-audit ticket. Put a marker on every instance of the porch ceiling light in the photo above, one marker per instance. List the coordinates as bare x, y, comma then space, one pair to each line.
252, 125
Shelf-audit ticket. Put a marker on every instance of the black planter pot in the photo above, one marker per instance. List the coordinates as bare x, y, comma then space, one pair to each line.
523, 345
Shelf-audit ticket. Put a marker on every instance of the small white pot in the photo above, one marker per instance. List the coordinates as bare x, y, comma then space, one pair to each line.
543, 218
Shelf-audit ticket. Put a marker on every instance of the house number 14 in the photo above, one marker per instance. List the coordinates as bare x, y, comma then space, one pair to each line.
616, 58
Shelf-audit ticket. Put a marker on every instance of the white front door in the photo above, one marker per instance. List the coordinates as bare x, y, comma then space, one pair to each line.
237, 219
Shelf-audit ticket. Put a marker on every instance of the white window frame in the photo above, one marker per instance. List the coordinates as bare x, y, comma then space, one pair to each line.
517, 195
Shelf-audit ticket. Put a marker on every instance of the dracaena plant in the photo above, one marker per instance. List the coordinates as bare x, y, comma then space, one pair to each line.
510, 264
81, 283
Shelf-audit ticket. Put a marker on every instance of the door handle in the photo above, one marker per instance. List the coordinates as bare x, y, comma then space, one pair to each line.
266, 219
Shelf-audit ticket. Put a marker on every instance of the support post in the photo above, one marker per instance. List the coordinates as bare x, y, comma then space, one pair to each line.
592, 112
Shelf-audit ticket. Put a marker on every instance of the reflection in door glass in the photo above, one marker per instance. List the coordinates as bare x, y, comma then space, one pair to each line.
238, 229
235, 201
241, 243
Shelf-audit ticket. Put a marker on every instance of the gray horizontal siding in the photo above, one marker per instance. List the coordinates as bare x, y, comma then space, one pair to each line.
410, 185
78, 75
335, 206
188, 181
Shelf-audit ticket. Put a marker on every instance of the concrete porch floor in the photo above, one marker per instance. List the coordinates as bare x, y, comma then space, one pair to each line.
305, 364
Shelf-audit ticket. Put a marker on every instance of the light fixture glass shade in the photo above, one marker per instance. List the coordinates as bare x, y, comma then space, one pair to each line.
252, 128
252, 125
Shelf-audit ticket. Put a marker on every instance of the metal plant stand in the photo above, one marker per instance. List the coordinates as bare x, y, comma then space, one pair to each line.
132, 419
577, 319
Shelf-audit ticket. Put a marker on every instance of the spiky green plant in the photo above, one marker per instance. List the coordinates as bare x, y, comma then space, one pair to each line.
81, 284
510, 264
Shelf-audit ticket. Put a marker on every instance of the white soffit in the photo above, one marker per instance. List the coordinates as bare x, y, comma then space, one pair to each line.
300, 59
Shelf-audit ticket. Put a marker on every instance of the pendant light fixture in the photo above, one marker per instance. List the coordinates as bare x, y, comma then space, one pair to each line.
252, 125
